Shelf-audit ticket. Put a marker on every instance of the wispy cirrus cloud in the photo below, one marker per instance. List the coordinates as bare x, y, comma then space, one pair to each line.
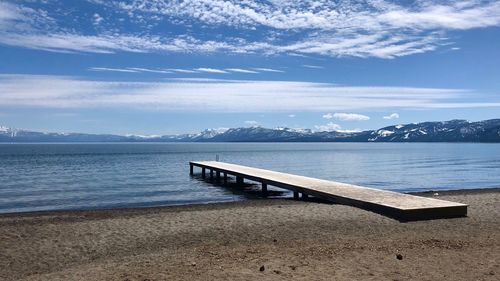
140, 69
180, 70
240, 70
312, 66
382, 29
129, 70
113, 69
175, 70
211, 70
221, 95
267, 69
326, 15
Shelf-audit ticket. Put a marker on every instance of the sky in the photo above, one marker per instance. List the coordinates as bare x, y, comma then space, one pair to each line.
169, 67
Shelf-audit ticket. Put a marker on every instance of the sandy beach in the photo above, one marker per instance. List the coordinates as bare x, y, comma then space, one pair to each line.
274, 239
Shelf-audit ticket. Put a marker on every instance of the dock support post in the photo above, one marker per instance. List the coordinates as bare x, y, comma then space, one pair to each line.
211, 174
304, 196
225, 178
203, 172
264, 189
217, 176
191, 169
296, 195
239, 180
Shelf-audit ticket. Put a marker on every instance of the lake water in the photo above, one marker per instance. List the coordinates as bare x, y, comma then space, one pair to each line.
37, 177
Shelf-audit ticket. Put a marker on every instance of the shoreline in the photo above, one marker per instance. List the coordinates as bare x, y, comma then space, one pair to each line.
292, 240
429, 193
251, 142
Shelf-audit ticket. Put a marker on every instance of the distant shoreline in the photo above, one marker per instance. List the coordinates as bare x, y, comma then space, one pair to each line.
487, 131
236, 142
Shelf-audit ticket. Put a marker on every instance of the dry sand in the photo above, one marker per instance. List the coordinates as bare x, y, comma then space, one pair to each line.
234, 241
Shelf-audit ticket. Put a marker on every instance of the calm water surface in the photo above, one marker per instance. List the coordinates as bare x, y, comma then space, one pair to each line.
83, 176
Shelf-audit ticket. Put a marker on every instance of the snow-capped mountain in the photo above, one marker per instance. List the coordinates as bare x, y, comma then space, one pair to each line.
208, 134
449, 131
258, 134
15, 135
7, 131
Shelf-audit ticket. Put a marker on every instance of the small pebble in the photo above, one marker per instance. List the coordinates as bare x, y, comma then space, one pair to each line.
399, 256
193, 264
262, 268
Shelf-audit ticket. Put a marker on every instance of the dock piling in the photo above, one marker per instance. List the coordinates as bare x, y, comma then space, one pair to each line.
239, 180
264, 189
296, 195
203, 174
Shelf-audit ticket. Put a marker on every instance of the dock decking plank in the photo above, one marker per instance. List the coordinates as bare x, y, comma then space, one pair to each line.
399, 205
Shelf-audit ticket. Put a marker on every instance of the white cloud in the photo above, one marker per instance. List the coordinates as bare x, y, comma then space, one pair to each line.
252, 123
332, 28
291, 115
328, 127
149, 70
240, 70
219, 95
350, 117
129, 70
211, 70
340, 28
312, 66
68, 42
267, 69
179, 70
391, 116
328, 116
97, 19
113, 69
332, 127
326, 15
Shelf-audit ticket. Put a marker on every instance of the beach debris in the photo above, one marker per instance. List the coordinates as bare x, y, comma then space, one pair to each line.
275, 240
293, 267
277, 271
262, 268
399, 256
193, 264
436, 194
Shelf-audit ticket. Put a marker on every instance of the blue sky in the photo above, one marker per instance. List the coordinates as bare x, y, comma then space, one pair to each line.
164, 67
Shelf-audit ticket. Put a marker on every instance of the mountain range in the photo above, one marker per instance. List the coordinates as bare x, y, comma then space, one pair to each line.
448, 131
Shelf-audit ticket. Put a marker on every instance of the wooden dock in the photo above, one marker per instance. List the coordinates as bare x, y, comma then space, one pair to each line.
404, 207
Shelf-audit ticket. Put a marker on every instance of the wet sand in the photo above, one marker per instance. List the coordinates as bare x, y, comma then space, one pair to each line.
273, 239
